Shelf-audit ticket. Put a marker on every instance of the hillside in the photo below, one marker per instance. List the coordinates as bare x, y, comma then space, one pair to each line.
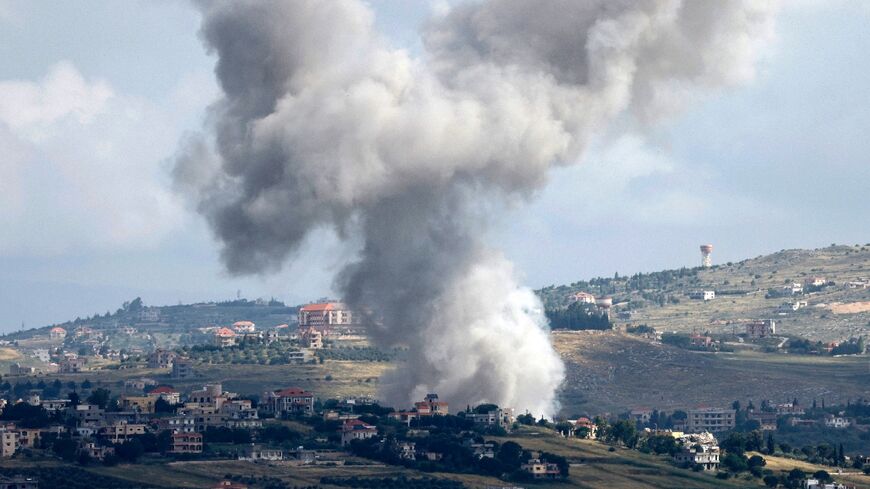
834, 312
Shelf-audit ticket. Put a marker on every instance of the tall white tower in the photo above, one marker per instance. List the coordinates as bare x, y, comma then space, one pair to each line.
706, 259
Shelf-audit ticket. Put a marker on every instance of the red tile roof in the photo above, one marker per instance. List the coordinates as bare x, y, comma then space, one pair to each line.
292, 392
163, 389
225, 332
323, 306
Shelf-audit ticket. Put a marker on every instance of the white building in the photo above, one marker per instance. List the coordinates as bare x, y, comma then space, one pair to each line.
706, 295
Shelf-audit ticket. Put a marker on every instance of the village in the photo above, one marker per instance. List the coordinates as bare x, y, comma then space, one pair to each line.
147, 418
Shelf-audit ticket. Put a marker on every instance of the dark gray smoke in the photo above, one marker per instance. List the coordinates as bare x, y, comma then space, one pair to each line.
324, 124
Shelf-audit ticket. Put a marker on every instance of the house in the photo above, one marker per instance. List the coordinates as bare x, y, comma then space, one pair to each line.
815, 282
211, 395
354, 429
72, 365
794, 289
161, 358
310, 337
166, 393
55, 405
224, 337
766, 420
791, 307
641, 415
583, 298
503, 417
837, 422
254, 453
431, 406
816, 484
182, 368
760, 329
794, 422
539, 469
18, 369
705, 295
710, 419
89, 414
244, 327
182, 443
585, 428
121, 431
175, 424
57, 333
698, 454
142, 404
701, 341
288, 401
94, 451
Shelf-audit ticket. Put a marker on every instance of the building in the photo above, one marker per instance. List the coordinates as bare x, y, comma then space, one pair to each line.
288, 401
701, 341
72, 365
706, 255
176, 424
817, 484
766, 420
539, 469
244, 327
503, 417
18, 369
583, 298
227, 484
182, 368
166, 393
705, 295
8, 443
354, 429
254, 453
585, 427
141, 404
55, 405
224, 337
161, 358
837, 422
310, 337
211, 395
760, 329
120, 432
714, 420
95, 451
431, 406
325, 315
186, 443
815, 282
57, 333
641, 415
790, 409
698, 454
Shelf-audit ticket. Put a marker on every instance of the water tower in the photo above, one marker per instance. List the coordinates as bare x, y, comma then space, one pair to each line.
605, 303
706, 251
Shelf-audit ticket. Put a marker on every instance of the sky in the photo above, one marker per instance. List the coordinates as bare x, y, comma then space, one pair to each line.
95, 97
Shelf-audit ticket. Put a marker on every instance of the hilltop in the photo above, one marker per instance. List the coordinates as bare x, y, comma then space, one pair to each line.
745, 290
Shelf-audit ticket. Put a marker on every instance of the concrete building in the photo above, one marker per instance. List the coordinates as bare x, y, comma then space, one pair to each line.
503, 417
57, 333
325, 315
702, 295
310, 337
354, 429
760, 329
712, 419
224, 337
244, 327
700, 454
186, 443
583, 298
182, 368
766, 420
161, 358
539, 469
288, 401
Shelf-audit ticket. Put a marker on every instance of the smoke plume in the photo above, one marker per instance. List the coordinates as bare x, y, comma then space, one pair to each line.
323, 124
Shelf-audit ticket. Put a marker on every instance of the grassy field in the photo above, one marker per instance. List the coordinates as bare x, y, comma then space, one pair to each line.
613, 372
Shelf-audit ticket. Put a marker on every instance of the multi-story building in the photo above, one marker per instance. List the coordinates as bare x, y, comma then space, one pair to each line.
698, 454
503, 417
182, 368
57, 333
8, 443
244, 327
224, 337
288, 401
161, 358
18, 482
704, 295
766, 420
761, 329
310, 337
166, 393
72, 365
583, 298
186, 443
714, 420
324, 315
354, 429
120, 432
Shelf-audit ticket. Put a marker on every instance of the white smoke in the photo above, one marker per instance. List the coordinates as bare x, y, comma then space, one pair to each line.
324, 124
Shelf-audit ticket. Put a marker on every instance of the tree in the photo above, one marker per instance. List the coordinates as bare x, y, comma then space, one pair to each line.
771, 480
74, 399
100, 397
771, 445
823, 476
86, 384
735, 463
130, 451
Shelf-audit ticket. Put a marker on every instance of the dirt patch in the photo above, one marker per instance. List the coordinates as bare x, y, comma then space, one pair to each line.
7, 354
850, 307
